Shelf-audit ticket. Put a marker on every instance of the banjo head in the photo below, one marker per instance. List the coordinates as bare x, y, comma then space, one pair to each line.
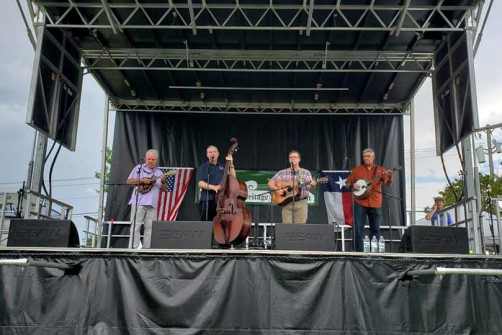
363, 190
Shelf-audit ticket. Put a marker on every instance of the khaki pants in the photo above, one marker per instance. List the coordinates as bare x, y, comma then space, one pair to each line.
301, 212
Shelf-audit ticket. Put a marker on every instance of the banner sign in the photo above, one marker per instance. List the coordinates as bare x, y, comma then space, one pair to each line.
258, 190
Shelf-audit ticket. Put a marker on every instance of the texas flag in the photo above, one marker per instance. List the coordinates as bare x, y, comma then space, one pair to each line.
338, 198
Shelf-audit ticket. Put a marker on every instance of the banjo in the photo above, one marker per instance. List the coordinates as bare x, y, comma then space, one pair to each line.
365, 185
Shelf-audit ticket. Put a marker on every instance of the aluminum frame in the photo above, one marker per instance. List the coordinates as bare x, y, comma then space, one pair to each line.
268, 108
258, 60
189, 14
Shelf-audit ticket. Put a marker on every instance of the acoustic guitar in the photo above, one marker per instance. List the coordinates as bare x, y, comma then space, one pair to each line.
288, 191
147, 187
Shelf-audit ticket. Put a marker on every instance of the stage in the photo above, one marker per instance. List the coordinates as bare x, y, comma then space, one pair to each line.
119, 291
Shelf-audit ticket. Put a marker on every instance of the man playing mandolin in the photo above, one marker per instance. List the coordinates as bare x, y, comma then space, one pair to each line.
149, 181
366, 181
294, 176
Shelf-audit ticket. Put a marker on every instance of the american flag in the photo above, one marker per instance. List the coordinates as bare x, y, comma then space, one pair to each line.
338, 198
170, 201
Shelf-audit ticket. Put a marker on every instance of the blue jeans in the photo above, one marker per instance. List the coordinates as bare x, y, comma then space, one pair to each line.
374, 216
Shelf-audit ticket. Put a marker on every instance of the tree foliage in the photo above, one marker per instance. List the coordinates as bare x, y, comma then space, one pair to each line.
491, 187
108, 162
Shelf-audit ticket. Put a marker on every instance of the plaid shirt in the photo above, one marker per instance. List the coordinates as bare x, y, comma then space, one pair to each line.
301, 176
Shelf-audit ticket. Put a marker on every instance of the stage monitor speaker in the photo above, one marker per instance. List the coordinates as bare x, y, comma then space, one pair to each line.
435, 240
181, 235
310, 237
42, 233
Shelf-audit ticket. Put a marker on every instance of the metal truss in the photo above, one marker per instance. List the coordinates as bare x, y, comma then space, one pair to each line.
258, 60
250, 108
304, 16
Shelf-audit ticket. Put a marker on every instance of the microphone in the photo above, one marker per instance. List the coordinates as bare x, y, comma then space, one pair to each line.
346, 161
142, 160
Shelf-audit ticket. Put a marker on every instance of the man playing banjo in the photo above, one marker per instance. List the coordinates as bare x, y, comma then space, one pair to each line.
366, 182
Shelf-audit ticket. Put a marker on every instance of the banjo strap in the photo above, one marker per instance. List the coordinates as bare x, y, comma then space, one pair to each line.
374, 174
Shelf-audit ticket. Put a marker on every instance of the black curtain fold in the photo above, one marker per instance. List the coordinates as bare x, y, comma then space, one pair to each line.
264, 142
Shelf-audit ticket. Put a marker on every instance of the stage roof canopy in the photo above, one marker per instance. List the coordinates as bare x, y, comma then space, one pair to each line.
261, 56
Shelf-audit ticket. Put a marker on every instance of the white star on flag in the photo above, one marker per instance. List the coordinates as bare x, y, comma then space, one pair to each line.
341, 182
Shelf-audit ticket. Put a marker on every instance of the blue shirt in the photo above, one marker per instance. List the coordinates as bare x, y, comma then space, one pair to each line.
212, 174
441, 219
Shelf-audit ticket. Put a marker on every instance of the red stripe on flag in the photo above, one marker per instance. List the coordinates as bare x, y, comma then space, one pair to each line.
175, 195
164, 196
182, 191
171, 201
347, 207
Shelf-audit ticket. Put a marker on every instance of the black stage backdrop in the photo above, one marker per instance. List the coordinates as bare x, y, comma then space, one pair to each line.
232, 293
264, 142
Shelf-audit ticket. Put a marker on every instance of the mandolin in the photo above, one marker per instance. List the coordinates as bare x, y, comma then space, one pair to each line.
147, 187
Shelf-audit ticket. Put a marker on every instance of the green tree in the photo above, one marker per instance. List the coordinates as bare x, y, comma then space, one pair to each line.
108, 162
491, 187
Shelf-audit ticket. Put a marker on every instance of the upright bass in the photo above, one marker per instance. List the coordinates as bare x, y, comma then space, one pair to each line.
232, 222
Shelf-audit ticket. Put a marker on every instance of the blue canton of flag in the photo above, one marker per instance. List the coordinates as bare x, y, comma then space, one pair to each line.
170, 183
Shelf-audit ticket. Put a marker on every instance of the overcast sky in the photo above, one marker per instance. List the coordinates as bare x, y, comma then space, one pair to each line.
74, 171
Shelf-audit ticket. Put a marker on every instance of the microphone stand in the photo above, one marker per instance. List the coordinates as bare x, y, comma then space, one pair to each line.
131, 243
207, 192
294, 194
348, 162
206, 202
388, 214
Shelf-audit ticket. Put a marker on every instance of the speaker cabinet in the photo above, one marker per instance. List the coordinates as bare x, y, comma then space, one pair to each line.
42, 233
435, 240
181, 235
309, 237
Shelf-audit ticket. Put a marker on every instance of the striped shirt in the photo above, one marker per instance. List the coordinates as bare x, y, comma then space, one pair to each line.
300, 176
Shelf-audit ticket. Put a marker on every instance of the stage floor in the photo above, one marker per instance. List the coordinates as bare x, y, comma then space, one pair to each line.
186, 291
236, 251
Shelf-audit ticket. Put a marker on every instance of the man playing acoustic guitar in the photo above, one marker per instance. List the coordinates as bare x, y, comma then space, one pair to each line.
149, 181
366, 181
295, 176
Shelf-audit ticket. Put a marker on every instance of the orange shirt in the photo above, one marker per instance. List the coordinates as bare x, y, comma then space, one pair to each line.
374, 199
